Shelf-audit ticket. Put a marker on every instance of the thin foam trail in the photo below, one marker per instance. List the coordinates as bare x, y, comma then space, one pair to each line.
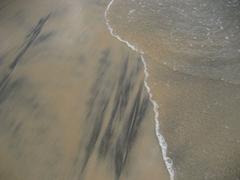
162, 142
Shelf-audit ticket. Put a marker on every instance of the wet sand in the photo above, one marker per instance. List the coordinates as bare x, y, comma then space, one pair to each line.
197, 90
72, 98
73, 104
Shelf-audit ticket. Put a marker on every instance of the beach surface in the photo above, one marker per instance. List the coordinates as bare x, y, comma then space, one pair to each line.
72, 98
192, 49
84, 84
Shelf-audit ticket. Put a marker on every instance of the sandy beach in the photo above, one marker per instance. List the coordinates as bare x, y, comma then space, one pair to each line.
73, 104
74, 97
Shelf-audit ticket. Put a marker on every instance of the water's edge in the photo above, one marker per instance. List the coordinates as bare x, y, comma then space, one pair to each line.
162, 142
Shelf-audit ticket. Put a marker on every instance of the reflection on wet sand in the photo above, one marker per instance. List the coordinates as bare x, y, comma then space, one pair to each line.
72, 100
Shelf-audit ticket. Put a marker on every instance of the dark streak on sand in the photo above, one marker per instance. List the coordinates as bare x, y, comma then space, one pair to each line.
97, 106
1, 60
129, 131
43, 37
120, 101
125, 115
31, 37
8, 93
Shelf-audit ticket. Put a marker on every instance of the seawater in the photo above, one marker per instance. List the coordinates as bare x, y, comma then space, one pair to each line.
161, 139
192, 51
201, 37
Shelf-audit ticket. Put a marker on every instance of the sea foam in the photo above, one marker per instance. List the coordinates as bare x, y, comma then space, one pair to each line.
162, 142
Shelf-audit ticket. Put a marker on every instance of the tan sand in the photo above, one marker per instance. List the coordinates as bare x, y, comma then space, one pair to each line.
72, 101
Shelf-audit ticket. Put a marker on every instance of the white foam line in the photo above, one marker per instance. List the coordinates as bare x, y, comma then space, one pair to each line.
162, 142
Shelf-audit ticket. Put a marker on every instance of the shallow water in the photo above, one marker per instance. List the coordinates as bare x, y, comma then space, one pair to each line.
199, 37
192, 52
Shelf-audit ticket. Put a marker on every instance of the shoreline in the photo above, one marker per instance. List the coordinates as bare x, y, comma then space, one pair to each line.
162, 142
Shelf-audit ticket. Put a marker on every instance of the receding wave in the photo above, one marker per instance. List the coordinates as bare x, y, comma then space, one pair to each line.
162, 142
200, 38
